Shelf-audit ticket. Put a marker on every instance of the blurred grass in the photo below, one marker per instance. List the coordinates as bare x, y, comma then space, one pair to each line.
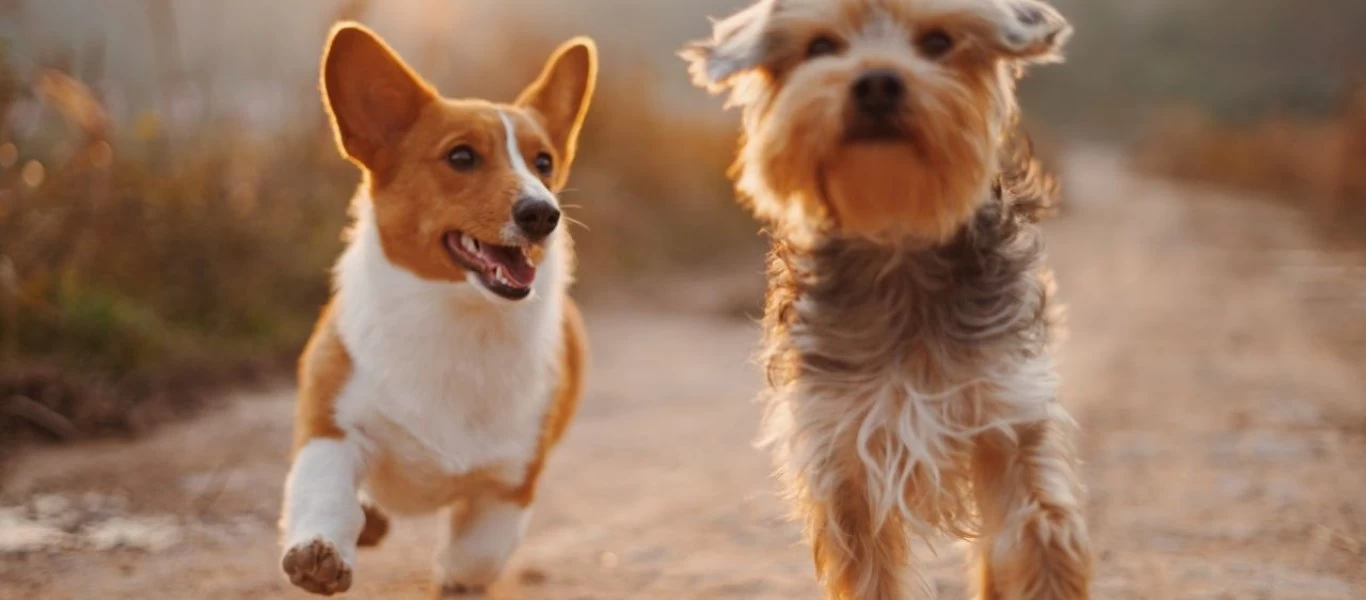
1318, 164
141, 268
137, 266
1240, 61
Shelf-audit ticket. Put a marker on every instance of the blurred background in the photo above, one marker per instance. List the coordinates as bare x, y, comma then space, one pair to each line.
171, 201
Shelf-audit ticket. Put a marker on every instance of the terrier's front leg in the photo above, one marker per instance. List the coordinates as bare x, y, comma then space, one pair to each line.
322, 517
1034, 544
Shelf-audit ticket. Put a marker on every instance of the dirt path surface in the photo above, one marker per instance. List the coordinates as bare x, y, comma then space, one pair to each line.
1212, 365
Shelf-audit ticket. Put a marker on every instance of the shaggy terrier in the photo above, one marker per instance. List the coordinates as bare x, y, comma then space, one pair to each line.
910, 316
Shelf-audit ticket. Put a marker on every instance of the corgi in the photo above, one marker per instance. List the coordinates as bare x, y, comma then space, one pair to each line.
450, 358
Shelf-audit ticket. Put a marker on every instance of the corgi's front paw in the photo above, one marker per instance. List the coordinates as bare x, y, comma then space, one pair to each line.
317, 566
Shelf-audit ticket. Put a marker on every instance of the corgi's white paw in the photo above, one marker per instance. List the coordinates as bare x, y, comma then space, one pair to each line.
454, 590
317, 566
468, 575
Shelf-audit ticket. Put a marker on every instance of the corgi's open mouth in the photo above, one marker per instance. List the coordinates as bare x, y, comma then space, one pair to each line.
503, 270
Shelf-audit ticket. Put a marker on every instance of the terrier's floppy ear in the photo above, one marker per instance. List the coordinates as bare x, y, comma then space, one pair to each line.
373, 98
1026, 30
737, 46
561, 96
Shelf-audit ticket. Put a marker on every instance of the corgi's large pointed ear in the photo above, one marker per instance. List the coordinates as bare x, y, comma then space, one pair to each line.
737, 46
373, 98
560, 96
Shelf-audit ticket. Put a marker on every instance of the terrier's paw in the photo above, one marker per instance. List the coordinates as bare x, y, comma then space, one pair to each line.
316, 566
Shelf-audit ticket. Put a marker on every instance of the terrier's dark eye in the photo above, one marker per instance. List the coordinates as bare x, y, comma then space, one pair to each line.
463, 158
935, 43
545, 165
821, 46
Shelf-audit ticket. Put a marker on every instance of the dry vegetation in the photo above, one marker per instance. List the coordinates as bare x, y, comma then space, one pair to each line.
141, 260
139, 266
1262, 90
1318, 165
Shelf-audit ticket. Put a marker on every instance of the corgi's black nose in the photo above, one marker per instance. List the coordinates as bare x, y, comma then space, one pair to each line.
879, 92
535, 217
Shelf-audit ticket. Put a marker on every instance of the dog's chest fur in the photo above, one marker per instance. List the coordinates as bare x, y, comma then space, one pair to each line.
898, 358
848, 308
446, 384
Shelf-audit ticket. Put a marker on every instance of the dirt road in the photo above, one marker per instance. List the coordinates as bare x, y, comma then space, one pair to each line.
1210, 366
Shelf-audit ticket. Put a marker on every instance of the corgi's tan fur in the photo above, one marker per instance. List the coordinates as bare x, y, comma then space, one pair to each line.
450, 360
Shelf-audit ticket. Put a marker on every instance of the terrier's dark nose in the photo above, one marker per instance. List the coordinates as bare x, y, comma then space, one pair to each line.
535, 217
879, 92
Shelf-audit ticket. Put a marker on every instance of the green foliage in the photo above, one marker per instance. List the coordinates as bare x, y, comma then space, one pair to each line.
161, 256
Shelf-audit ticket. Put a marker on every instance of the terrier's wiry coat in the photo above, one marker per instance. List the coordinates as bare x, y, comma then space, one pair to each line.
910, 316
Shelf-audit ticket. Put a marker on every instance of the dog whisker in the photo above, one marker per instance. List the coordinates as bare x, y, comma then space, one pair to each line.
576, 222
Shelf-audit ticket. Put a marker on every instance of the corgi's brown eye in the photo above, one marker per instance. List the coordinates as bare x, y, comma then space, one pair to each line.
821, 46
545, 165
463, 158
935, 43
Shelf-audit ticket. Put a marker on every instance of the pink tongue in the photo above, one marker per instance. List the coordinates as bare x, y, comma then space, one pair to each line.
515, 266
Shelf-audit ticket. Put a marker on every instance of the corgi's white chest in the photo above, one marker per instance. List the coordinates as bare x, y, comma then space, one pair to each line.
444, 380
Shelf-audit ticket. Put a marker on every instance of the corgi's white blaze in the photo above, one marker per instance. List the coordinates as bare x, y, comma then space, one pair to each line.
532, 186
320, 497
444, 381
